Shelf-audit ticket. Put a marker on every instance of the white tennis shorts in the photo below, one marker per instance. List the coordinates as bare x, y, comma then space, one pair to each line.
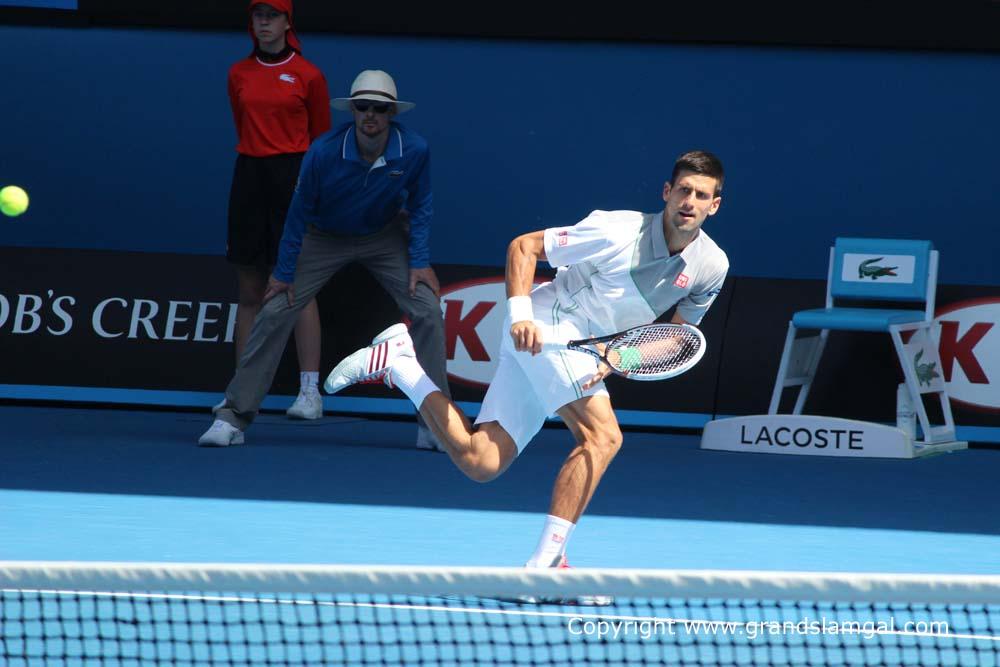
526, 388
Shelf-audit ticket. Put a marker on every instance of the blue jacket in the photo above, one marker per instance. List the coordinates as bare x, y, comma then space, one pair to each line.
339, 192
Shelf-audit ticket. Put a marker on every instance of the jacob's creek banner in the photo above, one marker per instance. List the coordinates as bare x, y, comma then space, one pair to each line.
93, 320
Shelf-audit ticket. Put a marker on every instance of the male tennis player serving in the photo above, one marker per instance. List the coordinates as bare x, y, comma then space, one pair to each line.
617, 270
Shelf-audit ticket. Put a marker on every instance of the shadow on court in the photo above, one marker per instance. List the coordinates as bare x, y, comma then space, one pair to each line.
357, 461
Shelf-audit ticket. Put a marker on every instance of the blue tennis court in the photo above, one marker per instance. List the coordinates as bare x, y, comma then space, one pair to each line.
91, 485
95, 484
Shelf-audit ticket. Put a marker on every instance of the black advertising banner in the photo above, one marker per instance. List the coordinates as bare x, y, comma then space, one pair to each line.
92, 318
108, 319
88, 318
150, 321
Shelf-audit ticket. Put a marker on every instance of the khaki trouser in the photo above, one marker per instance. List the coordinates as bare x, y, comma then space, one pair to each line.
385, 255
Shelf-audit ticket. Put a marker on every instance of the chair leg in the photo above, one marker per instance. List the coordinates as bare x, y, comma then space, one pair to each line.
779, 381
799, 361
810, 371
922, 373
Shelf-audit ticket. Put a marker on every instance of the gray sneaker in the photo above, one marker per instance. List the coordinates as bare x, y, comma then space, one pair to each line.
221, 434
308, 405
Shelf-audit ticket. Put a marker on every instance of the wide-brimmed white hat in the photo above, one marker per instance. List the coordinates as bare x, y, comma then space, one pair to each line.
374, 85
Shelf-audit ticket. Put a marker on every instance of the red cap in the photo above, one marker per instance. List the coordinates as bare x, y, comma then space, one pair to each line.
285, 7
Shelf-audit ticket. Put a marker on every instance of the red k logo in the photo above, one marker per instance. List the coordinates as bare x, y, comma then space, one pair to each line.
969, 340
473, 318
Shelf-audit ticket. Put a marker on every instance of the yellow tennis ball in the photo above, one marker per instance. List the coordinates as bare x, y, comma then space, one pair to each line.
13, 201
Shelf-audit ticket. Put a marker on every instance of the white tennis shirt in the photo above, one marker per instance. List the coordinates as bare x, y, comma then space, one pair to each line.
615, 267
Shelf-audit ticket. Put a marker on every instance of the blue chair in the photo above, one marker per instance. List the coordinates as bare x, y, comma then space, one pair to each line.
888, 272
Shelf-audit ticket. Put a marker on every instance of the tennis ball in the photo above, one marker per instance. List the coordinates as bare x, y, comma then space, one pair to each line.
13, 201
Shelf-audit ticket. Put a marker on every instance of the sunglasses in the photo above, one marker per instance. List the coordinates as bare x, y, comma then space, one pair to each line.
364, 106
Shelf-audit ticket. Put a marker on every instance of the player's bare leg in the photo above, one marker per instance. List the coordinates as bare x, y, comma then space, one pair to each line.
592, 421
598, 438
482, 453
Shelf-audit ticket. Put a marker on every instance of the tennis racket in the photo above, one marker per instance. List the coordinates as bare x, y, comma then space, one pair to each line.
649, 352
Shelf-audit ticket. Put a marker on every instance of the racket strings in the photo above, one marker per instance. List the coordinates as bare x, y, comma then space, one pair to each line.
654, 350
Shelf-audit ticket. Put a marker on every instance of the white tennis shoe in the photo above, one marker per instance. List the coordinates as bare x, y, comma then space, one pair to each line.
372, 364
221, 434
577, 601
308, 405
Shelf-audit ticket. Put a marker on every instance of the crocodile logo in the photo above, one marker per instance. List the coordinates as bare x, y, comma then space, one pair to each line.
926, 371
869, 269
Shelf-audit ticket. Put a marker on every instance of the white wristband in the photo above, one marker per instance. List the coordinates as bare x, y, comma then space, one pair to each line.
519, 309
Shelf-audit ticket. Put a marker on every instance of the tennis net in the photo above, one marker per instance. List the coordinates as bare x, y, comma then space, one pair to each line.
61, 613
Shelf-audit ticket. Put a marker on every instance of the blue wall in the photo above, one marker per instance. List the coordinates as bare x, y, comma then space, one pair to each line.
124, 140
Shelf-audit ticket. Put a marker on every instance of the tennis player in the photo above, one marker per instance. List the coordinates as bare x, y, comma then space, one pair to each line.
616, 270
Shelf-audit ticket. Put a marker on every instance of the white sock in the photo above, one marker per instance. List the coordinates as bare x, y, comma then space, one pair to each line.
552, 544
409, 376
309, 380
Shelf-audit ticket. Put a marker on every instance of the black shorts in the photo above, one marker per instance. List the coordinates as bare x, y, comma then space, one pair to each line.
258, 202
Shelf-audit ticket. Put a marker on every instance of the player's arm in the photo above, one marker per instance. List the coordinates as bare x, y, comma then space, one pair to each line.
587, 241
523, 254
692, 308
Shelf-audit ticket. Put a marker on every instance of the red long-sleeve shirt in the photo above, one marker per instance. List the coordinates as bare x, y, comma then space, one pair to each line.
280, 107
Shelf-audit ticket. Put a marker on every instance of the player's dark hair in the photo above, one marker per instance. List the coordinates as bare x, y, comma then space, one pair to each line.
700, 162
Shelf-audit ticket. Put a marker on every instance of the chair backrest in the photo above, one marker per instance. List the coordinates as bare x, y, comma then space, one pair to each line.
883, 270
